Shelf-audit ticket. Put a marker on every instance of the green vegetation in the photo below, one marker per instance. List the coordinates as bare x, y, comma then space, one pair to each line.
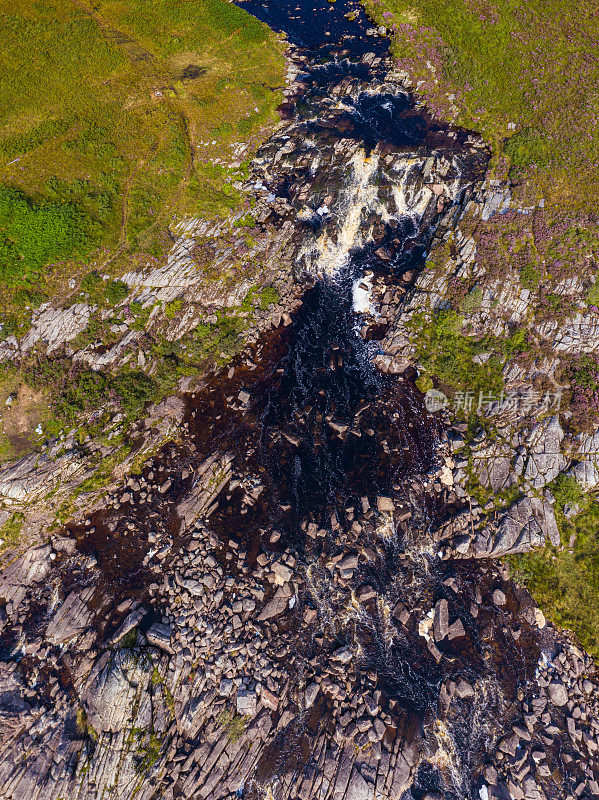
99, 127
233, 723
34, 234
519, 71
221, 337
103, 292
565, 489
446, 355
149, 752
268, 296
9, 532
565, 581
51, 395
172, 310
527, 149
81, 721
77, 389
593, 295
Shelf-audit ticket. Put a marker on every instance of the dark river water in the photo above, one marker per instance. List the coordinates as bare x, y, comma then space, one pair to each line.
326, 31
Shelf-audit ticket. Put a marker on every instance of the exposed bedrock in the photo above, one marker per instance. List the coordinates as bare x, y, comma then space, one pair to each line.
298, 598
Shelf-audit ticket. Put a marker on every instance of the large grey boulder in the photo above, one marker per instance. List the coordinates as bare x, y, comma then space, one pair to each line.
545, 459
358, 788
159, 635
71, 618
32, 567
55, 326
527, 524
493, 466
586, 472
112, 690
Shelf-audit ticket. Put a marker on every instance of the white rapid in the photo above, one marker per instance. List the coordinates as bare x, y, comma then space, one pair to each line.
328, 253
375, 188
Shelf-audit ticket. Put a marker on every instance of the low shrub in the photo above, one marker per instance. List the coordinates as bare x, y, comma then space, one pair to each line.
33, 235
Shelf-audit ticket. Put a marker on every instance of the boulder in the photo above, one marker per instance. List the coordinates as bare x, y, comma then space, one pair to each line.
71, 618
441, 620
159, 636
310, 695
358, 788
586, 472
558, 693
246, 703
30, 568
277, 605
385, 504
112, 691
545, 459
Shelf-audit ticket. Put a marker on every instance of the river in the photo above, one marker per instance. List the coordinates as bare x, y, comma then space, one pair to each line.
266, 608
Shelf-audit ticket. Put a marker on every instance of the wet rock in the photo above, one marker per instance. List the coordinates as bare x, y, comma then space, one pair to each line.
499, 597
385, 504
464, 690
401, 613
344, 655
441, 620
281, 572
310, 695
456, 630
209, 480
509, 745
365, 593
278, 605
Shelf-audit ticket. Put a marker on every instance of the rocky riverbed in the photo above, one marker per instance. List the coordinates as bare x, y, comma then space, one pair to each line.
296, 596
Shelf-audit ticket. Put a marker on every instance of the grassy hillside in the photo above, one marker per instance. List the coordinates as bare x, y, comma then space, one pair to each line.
116, 117
524, 73
565, 581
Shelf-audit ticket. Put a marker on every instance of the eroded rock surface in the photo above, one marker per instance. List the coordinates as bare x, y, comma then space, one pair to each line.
299, 597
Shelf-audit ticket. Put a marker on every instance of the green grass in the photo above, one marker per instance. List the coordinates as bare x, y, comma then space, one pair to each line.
566, 584
98, 127
233, 723
520, 71
149, 752
34, 234
10, 531
445, 355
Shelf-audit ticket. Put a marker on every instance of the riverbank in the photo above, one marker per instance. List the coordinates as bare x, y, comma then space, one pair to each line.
300, 593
